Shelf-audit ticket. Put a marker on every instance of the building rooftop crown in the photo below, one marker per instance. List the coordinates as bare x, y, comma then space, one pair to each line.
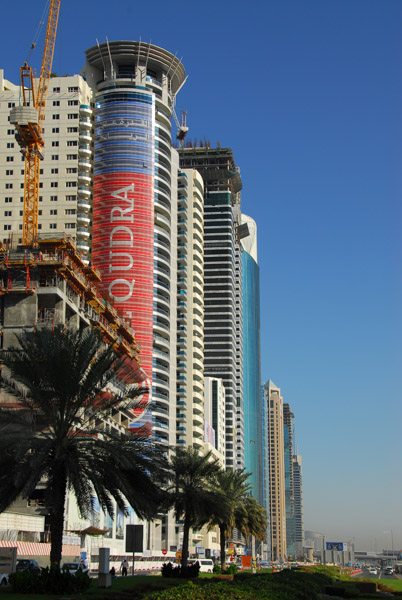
125, 52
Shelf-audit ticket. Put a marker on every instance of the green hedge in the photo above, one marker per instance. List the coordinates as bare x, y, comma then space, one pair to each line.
49, 581
247, 586
282, 588
209, 591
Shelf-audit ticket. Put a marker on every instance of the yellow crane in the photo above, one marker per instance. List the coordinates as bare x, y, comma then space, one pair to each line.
28, 120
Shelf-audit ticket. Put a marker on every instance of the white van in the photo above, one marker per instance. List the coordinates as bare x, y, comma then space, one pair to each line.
206, 565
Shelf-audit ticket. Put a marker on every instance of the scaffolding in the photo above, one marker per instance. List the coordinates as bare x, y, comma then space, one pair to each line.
56, 259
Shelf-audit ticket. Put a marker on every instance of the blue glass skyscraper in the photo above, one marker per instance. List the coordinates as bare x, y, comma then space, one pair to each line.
251, 357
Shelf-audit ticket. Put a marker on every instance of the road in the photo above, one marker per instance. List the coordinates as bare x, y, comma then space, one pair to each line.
380, 574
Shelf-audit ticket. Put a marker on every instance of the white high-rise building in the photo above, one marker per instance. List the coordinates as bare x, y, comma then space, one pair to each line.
65, 188
190, 311
222, 285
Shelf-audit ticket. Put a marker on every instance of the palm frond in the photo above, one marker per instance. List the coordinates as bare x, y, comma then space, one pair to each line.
59, 378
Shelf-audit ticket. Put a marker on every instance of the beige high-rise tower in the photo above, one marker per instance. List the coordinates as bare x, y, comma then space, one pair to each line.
65, 187
276, 468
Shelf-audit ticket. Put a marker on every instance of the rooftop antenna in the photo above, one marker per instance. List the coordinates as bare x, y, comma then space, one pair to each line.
147, 57
103, 62
138, 54
112, 75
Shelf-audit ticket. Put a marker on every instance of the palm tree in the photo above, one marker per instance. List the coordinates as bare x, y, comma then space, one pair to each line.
251, 519
192, 493
54, 431
235, 489
242, 510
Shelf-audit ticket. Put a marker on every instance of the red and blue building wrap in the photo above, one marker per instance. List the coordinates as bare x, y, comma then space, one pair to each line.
123, 213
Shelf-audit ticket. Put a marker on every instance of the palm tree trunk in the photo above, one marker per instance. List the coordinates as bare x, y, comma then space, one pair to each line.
186, 534
223, 546
59, 488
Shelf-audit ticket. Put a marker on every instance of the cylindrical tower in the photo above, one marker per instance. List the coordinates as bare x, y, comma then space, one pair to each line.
134, 85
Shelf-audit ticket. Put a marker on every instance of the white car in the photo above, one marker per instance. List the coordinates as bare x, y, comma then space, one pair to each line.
373, 571
206, 565
74, 567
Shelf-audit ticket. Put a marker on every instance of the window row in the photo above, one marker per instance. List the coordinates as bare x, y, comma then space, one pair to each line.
69, 103
56, 143
68, 197
53, 184
56, 90
51, 226
69, 156
56, 116
53, 211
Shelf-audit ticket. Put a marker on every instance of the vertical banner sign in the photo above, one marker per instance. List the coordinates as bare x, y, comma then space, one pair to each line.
123, 213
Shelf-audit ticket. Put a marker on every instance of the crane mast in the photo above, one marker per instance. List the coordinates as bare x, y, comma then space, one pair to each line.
28, 120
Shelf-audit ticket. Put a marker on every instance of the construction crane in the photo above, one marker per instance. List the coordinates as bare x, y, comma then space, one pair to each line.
28, 120
182, 128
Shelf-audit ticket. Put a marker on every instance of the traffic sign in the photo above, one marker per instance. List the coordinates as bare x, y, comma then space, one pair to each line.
164, 551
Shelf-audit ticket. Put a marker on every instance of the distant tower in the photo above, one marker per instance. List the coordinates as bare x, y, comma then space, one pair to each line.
289, 483
298, 504
276, 469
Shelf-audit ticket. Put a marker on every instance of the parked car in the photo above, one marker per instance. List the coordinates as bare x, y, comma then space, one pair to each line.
388, 571
27, 564
206, 564
373, 571
3, 579
74, 567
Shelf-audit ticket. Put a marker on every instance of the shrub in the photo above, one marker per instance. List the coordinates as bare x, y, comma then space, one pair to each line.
282, 586
231, 569
335, 590
189, 572
24, 582
208, 591
242, 575
369, 587
217, 569
318, 579
168, 570
49, 581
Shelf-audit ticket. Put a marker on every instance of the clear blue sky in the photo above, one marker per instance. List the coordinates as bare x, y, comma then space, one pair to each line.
308, 94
